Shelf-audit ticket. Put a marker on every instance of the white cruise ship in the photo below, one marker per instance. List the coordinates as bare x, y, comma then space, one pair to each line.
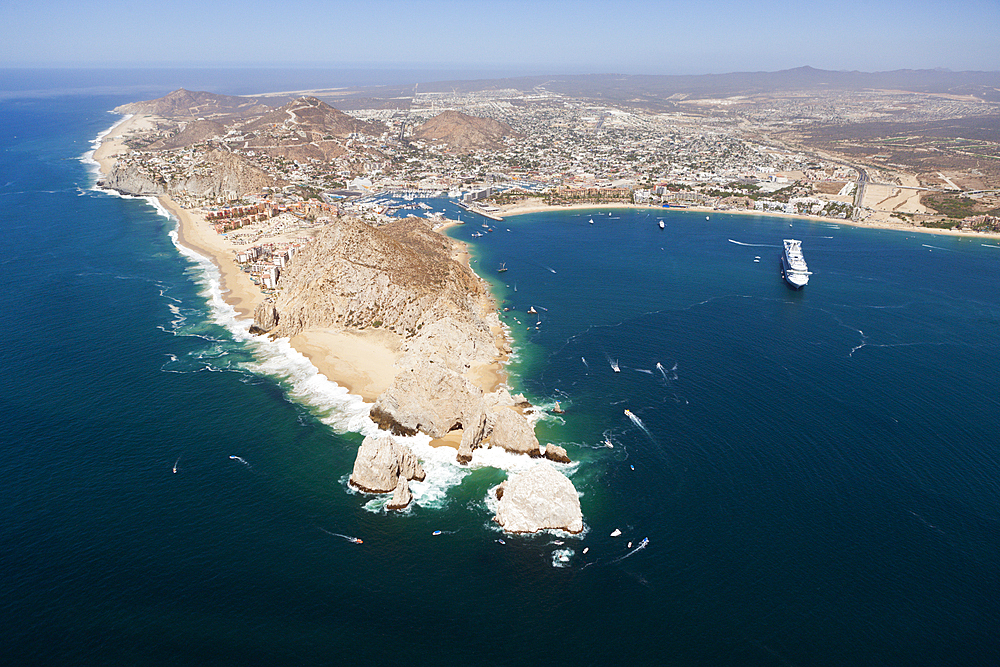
793, 264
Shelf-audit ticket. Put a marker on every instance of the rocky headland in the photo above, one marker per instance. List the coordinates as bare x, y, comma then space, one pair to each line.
407, 281
394, 308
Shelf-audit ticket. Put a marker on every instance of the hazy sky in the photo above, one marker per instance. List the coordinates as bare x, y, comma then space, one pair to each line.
539, 36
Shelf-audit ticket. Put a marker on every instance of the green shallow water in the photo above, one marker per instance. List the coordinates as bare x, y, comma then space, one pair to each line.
815, 471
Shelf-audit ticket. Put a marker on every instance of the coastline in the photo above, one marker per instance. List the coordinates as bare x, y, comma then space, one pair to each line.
362, 362
515, 210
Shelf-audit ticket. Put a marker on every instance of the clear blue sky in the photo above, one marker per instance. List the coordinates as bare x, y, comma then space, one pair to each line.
641, 37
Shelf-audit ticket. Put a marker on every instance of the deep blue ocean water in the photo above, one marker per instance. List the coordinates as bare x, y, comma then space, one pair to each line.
816, 471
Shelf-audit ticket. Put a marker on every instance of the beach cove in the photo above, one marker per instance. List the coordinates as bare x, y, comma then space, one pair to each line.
815, 471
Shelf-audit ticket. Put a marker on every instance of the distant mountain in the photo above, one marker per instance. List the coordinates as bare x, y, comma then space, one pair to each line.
187, 104
464, 133
664, 89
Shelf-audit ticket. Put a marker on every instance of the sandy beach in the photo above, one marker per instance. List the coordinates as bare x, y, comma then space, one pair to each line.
875, 222
363, 362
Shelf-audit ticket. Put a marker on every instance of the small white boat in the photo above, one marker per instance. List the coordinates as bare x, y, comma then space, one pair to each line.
591, 221
662, 225
614, 366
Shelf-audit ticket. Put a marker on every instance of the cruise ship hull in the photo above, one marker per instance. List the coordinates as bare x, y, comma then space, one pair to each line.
793, 265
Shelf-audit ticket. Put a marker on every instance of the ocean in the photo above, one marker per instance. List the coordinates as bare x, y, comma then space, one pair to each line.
815, 472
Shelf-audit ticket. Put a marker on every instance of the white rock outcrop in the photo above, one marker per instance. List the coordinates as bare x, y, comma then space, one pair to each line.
513, 432
540, 498
401, 497
381, 464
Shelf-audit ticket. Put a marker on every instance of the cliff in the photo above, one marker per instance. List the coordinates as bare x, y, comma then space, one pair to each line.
401, 277
404, 278
219, 173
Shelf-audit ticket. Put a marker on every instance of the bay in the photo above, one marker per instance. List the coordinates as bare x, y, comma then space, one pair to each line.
815, 471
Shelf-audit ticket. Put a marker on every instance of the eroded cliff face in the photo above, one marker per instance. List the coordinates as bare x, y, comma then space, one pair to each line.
404, 277
399, 277
218, 174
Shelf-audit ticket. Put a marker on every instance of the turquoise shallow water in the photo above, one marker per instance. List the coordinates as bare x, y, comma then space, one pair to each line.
816, 471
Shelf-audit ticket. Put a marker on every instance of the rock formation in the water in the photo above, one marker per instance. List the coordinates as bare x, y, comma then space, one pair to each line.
511, 431
540, 498
556, 453
382, 462
401, 496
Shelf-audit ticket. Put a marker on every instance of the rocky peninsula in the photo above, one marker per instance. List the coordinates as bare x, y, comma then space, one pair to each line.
391, 310
438, 321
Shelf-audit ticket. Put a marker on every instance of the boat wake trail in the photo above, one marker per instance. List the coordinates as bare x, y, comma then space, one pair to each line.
754, 245
933, 247
642, 545
585, 363
638, 422
987, 245
240, 459
549, 268
663, 372
355, 540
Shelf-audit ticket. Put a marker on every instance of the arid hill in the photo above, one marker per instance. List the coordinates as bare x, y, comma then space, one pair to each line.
220, 174
464, 133
192, 132
400, 275
187, 104
316, 119
305, 129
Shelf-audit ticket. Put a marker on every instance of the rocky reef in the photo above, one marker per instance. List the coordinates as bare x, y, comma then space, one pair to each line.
384, 465
541, 498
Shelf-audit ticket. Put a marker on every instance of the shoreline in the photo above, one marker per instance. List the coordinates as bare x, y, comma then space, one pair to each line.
512, 210
361, 362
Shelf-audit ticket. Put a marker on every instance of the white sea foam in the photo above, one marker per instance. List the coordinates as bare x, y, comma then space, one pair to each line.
329, 402
562, 557
93, 166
